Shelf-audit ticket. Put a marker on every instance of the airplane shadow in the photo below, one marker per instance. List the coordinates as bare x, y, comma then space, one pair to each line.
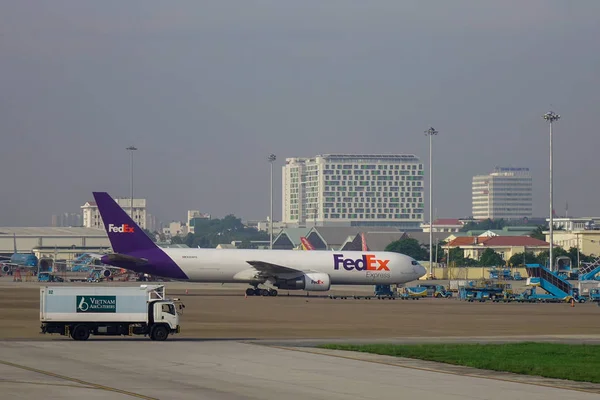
281, 295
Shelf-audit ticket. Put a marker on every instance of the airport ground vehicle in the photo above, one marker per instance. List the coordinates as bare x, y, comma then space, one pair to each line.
438, 291
81, 311
414, 293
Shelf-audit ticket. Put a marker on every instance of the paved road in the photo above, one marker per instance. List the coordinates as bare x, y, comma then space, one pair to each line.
229, 370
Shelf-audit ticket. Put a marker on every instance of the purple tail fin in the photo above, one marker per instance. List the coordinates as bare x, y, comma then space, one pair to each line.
125, 235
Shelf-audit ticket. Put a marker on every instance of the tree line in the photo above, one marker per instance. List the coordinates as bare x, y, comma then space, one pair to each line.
210, 233
489, 258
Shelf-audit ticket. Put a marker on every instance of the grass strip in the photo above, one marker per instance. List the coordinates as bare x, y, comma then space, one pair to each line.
550, 360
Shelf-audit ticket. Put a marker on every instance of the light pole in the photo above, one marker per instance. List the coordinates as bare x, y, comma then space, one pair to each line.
271, 159
430, 132
578, 250
551, 117
131, 149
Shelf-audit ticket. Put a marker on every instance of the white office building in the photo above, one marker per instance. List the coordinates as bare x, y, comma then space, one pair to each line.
92, 219
354, 190
506, 193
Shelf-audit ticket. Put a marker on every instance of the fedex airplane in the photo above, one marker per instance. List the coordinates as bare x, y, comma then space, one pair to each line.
311, 271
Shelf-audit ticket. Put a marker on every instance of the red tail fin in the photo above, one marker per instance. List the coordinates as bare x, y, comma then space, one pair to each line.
306, 244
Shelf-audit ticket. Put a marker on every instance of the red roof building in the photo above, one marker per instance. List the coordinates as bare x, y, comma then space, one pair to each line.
506, 246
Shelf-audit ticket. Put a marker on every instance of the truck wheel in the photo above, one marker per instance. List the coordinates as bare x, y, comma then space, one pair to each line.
81, 332
159, 333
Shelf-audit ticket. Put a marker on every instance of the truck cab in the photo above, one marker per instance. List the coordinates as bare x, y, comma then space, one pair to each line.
164, 312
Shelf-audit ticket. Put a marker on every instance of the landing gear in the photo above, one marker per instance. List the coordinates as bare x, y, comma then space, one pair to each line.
261, 292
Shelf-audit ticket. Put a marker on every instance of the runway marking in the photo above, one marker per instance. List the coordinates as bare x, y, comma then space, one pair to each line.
45, 383
89, 385
441, 371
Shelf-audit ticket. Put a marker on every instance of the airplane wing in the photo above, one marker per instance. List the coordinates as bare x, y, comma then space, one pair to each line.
274, 270
125, 259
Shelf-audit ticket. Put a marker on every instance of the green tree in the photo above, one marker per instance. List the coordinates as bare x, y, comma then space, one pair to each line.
176, 240
439, 250
539, 233
523, 258
542, 257
583, 258
489, 258
484, 225
208, 233
410, 247
151, 235
457, 256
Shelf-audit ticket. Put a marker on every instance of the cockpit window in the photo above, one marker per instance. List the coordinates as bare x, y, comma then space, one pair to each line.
413, 262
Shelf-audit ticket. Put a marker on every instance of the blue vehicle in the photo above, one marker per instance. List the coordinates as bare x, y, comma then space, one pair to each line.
557, 288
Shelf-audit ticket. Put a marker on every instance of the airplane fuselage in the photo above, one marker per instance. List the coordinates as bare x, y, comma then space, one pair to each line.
232, 265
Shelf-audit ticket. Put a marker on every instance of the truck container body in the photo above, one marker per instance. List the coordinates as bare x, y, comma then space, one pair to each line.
84, 310
456, 284
586, 286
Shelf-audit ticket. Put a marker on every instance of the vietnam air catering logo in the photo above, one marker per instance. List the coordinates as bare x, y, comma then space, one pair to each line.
368, 262
125, 228
96, 304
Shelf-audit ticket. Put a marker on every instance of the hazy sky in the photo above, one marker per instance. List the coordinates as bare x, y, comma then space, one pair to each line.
207, 89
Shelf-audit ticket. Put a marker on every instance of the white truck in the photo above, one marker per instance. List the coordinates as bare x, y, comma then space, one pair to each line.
79, 311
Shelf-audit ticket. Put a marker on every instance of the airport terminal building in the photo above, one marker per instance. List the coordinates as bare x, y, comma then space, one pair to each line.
359, 190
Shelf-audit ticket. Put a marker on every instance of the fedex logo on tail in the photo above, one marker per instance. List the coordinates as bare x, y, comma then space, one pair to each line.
125, 228
367, 262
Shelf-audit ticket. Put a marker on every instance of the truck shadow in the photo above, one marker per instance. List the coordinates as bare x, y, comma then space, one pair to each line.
147, 339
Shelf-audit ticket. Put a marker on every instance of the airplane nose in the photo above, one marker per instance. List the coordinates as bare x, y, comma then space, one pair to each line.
420, 270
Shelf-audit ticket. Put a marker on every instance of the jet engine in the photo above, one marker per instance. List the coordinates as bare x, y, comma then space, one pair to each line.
106, 273
5, 268
311, 282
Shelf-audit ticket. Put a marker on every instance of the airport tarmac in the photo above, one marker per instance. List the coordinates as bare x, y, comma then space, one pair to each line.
232, 370
232, 347
225, 313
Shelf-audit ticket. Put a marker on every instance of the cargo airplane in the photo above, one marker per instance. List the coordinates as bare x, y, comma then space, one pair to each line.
311, 271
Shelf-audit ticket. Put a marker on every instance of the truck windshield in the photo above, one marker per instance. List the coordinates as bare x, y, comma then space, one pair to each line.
168, 308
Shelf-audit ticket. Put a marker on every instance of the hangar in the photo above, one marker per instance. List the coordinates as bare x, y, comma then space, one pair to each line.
67, 242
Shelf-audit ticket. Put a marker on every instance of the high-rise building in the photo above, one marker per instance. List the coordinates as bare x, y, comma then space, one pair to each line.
67, 219
506, 193
92, 219
354, 190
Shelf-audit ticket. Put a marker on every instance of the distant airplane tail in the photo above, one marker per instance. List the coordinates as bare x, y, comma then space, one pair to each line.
363, 240
306, 244
124, 234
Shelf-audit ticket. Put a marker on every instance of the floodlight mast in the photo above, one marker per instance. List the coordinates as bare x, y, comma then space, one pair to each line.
551, 117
